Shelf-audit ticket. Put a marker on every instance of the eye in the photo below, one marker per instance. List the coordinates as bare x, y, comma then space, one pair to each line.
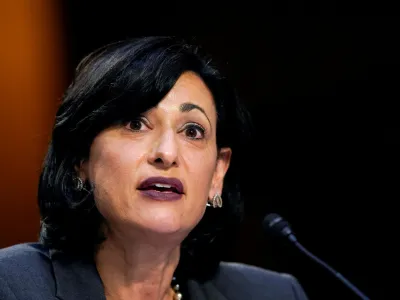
136, 124
194, 131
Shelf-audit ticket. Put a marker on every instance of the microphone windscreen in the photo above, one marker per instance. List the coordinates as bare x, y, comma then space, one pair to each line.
275, 224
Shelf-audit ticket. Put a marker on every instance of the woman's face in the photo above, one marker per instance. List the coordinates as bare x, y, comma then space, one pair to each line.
175, 142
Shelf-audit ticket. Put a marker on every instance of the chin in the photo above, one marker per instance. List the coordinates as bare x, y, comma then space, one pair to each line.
163, 226
162, 222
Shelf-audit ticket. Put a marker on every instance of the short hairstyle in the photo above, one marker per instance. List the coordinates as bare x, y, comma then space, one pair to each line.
111, 86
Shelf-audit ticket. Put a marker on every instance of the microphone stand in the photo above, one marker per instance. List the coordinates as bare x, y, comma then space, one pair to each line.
328, 267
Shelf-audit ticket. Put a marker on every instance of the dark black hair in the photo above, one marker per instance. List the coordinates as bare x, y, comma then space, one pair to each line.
110, 85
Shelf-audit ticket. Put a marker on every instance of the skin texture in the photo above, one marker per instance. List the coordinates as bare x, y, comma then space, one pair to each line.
177, 138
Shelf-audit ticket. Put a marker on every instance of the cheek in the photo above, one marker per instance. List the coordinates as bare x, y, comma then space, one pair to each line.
201, 167
111, 170
107, 164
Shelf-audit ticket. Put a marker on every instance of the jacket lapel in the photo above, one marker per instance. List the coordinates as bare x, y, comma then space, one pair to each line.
76, 279
204, 291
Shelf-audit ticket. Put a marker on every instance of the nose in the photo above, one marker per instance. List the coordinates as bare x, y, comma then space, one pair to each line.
164, 153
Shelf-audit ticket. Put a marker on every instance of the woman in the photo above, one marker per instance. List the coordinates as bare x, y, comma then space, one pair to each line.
135, 194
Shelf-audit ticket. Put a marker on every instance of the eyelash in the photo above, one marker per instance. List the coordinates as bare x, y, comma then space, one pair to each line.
187, 126
141, 119
197, 127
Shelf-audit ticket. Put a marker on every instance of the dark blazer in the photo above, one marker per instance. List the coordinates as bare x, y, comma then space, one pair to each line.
32, 272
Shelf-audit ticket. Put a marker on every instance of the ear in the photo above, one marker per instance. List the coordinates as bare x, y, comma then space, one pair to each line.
223, 161
81, 170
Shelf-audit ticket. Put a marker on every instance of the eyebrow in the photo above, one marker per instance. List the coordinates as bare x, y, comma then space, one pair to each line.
187, 106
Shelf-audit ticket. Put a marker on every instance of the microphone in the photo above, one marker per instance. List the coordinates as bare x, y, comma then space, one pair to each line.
277, 226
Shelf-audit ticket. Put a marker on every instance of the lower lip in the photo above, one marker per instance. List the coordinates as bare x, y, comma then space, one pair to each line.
162, 196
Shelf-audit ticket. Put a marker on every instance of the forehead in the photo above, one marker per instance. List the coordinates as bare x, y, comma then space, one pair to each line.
189, 88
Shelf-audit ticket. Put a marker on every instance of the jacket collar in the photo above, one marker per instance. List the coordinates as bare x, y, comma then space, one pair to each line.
76, 279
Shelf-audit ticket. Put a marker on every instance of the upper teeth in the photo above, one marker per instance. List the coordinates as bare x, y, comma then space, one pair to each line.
161, 185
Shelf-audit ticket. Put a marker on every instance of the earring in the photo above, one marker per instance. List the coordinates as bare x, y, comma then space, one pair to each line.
78, 184
216, 201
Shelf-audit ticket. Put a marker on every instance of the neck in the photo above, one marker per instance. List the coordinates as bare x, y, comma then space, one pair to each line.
136, 269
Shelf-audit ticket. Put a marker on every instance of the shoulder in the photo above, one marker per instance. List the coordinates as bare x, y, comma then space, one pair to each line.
236, 271
22, 250
22, 256
24, 268
234, 279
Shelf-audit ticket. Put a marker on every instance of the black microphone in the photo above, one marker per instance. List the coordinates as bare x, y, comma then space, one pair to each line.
276, 225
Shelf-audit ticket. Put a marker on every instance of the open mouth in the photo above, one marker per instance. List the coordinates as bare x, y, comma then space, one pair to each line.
162, 185
162, 188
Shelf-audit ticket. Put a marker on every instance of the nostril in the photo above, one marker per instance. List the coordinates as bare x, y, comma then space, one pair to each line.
162, 161
158, 160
